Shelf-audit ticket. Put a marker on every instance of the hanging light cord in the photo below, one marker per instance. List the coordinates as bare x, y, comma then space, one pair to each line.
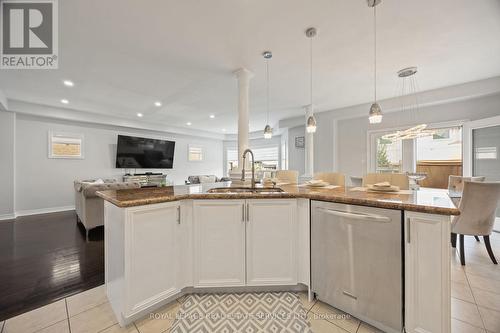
267, 75
375, 50
311, 68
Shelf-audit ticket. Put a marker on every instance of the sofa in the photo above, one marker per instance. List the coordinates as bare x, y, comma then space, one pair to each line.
202, 179
89, 207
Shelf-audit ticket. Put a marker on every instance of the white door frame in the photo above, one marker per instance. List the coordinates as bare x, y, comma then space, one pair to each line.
467, 143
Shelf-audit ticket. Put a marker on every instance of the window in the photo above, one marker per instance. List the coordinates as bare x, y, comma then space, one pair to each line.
266, 158
438, 155
195, 153
232, 159
486, 153
65, 145
389, 158
444, 145
441, 134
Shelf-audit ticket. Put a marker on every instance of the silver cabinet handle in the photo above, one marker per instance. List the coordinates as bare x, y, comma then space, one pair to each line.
357, 216
179, 214
348, 294
248, 212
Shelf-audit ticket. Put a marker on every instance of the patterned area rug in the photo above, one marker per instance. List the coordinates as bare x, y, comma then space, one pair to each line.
275, 312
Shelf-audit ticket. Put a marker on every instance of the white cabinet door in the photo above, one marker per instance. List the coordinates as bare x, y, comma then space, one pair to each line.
151, 255
219, 243
271, 242
427, 273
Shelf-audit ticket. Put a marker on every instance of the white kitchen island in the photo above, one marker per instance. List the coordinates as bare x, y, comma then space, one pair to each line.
163, 243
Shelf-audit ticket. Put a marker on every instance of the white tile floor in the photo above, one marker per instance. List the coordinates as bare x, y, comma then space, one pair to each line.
475, 291
475, 306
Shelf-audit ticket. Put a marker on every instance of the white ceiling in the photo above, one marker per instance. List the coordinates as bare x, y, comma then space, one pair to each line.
123, 55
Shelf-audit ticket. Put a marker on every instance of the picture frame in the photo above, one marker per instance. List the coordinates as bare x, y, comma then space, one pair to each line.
63, 145
300, 142
195, 153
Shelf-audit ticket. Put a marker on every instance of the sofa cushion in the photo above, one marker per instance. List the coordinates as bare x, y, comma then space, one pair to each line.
79, 183
89, 190
207, 179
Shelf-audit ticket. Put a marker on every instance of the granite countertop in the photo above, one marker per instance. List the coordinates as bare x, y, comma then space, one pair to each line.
433, 201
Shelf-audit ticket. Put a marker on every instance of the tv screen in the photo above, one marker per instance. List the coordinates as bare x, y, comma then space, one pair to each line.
135, 153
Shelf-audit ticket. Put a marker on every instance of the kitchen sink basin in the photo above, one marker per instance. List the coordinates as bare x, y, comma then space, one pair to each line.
245, 190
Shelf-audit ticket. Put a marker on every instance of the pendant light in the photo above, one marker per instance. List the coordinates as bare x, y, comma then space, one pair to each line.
375, 115
409, 103
311, 121
268, 131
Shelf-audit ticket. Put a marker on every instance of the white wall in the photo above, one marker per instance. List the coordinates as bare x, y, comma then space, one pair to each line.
7, 149
296, 156
352, 133
43, 183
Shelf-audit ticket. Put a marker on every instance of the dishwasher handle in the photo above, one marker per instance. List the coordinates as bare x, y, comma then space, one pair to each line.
357, 216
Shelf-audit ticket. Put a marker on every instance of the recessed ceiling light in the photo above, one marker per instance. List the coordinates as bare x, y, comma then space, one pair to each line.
68, 83
140, 115
158, 104
212, 116
189, 123
223, 130
64, 101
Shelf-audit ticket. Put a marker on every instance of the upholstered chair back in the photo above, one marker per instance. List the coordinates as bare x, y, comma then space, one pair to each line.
477, 209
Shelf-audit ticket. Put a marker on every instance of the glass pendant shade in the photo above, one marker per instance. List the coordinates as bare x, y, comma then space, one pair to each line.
311, 124
375, 116
268, 132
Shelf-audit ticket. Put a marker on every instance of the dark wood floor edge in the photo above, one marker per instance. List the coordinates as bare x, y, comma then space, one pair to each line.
51, 301
47, 241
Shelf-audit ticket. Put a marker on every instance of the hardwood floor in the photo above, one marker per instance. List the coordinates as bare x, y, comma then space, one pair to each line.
44, 258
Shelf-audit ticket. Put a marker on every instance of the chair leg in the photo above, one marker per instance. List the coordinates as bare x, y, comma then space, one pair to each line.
462, 251
453, 240
477, 238
488, 248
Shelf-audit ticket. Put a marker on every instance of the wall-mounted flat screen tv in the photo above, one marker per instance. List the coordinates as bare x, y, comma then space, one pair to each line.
141, 153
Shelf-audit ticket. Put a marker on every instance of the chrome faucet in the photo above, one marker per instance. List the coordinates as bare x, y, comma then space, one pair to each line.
253, 166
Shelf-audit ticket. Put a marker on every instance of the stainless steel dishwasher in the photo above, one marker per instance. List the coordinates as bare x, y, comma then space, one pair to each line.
356, 259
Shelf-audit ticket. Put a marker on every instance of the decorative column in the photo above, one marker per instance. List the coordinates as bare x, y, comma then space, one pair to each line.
243, 75
309, 148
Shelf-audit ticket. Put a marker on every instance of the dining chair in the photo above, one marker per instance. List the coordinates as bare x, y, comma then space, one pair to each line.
477, 215
399, 179
456, 184
333, 178
288, 176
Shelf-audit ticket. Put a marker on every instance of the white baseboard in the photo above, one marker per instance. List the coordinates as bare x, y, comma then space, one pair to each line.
7, 217
44, 210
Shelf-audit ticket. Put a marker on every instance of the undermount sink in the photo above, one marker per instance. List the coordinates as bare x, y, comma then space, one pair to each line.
245, 190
